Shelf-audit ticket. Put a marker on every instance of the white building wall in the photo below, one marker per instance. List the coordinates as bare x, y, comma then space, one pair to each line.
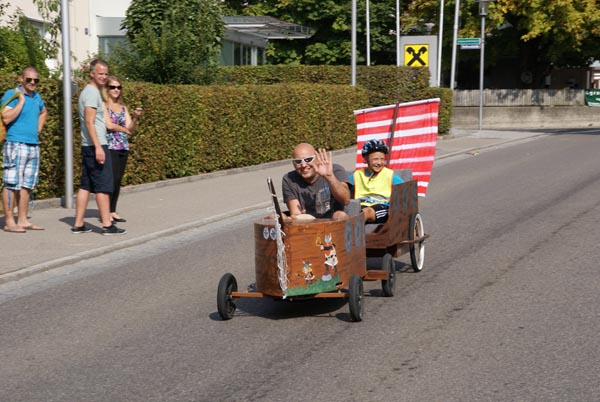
104, 8
27, 6
30, 11
83, 24
79, 33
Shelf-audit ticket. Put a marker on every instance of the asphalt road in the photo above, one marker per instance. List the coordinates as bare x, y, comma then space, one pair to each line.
506, 308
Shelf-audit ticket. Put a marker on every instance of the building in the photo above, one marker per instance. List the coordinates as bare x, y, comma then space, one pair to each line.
95, 26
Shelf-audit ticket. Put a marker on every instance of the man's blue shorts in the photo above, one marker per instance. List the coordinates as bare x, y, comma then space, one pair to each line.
96, 178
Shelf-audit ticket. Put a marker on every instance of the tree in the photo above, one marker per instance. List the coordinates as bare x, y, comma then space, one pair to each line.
529, 34
20, 45
168, 41
50, 12
566, 32
332, 20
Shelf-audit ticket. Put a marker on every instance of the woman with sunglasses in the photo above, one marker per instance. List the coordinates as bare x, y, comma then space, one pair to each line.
119, 125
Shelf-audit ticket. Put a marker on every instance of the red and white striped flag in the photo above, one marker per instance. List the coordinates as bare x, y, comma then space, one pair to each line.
413, 140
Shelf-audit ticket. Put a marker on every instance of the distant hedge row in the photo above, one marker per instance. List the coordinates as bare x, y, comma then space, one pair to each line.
384, 84
252, 115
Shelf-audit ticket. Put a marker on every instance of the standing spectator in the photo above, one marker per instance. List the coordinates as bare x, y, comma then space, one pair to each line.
25, 117
119, 125
96, 169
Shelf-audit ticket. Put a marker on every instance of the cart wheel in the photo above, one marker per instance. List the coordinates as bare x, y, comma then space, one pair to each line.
225, 303
417, 250
355, 298
388, 285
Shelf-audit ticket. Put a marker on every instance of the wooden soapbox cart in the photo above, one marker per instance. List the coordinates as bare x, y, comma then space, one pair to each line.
325, 258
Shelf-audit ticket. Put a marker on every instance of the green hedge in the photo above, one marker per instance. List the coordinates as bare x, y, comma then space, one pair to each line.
243, 120
384, 84
186, 130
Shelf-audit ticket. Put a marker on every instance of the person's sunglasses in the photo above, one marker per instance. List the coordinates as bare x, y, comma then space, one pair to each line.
299, 161
115, 87
35, 80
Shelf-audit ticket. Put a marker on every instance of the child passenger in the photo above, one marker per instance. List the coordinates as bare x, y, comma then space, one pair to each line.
373, 185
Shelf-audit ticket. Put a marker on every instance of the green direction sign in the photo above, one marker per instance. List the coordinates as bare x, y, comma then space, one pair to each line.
468, 41
592, 97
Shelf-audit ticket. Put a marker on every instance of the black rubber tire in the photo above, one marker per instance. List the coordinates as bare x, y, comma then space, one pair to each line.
225, 304
417, 250
388, 286
355, 298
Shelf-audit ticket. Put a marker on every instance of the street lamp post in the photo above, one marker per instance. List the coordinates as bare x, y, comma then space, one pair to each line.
454, 39
368, 32
353, 40
440, 34
67, 112
398, 32
483, 6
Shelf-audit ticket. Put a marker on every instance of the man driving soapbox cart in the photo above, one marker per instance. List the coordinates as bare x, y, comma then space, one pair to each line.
326, 258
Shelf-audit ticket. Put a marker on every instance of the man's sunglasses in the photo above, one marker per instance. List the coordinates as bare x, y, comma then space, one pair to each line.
115, 87
299, 161
35, 80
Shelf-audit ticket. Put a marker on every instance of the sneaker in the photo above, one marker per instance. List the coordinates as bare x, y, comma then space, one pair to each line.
80, 229
113, 230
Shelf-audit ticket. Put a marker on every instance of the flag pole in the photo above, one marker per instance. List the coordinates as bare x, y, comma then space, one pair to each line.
392, 133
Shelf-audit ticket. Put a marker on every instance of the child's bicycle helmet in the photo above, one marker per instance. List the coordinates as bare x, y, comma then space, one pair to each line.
374, 146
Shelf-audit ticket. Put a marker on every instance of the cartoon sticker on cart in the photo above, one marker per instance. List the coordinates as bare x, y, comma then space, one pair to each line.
331, 259
309, 275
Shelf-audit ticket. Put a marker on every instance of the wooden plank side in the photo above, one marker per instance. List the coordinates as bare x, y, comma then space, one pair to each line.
265, 258
403, 204
321, 255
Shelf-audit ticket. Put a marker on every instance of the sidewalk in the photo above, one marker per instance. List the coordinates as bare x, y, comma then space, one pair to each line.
165, 208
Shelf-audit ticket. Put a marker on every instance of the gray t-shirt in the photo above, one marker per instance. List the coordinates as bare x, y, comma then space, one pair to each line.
90, 97
315, 198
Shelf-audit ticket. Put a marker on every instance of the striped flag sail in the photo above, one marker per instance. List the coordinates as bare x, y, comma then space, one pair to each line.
412, 141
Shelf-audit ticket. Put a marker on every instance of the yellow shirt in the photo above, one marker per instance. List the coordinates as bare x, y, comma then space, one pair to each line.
374, 189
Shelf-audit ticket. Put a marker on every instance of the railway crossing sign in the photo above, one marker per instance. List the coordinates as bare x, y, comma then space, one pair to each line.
416, 55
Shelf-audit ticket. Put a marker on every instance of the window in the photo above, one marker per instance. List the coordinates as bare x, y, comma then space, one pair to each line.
107, 43
39, 26
239, 54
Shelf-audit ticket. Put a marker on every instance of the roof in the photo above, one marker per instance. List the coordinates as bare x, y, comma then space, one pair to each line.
267, 27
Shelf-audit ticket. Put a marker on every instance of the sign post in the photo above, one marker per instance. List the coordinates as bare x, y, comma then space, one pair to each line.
483, 6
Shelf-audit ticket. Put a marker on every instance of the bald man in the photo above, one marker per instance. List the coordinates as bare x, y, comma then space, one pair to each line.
316, 186
25, 117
